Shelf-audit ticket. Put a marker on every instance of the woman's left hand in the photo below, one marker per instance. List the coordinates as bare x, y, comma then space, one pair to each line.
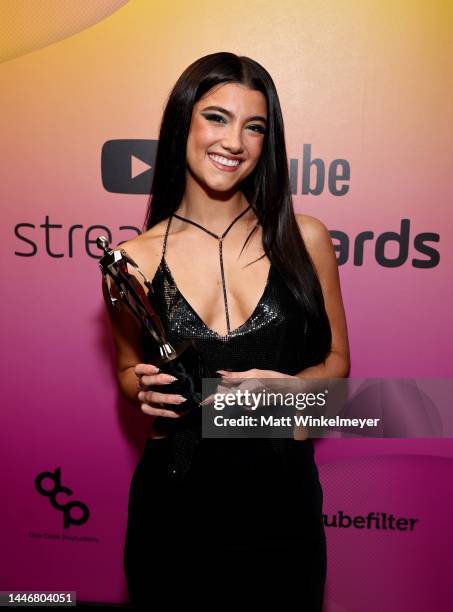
253, 381
299, 432
254, 373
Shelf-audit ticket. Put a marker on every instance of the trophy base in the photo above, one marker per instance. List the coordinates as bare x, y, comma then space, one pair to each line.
189, 367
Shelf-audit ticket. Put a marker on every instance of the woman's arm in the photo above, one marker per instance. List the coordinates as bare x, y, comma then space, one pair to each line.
127, 341
319, 245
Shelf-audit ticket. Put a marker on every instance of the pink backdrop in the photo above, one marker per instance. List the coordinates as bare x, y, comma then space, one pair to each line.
367, 83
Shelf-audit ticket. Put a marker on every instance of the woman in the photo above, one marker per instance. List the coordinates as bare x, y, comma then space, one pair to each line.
257, 288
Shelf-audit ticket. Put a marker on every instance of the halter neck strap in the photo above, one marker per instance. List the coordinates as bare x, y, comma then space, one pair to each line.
212, 233
220, 239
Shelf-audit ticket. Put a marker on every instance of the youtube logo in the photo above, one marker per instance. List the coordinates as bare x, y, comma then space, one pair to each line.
127, 165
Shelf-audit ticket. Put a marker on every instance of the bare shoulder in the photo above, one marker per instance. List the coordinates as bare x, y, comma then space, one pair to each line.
312, 229
318, 241
146, 248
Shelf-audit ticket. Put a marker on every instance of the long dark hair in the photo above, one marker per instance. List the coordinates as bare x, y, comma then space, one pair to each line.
267, 188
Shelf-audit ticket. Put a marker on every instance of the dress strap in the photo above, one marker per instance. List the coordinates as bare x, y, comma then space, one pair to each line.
164, 248
212, 233
220, 239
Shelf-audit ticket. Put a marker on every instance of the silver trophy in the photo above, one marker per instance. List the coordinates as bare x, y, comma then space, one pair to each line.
183, 360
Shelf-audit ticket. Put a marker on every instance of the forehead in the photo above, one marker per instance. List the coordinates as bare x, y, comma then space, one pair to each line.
235, 97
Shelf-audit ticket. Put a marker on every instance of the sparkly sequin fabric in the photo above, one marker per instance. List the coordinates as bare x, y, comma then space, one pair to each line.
271, 339
252, 488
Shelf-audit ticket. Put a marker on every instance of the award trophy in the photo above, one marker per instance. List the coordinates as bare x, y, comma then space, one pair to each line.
182, 360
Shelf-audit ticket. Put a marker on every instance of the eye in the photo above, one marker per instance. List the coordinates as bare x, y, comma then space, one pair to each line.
214, 117
258, 128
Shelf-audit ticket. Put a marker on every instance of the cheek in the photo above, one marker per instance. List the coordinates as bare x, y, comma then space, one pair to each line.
200, 135
255, 146
255, 150
195, 146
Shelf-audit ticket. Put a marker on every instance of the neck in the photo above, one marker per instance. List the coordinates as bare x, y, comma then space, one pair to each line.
213, 209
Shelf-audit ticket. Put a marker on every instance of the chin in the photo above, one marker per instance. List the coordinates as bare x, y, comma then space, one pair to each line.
219, 185
221, 189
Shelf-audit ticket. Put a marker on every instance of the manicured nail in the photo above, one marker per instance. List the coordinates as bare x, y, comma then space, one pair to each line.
172, 378
181, 399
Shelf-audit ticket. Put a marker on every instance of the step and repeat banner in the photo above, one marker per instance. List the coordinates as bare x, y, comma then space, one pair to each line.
366, 92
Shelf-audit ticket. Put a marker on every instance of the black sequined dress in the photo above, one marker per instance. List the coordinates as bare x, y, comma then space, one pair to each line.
250, 506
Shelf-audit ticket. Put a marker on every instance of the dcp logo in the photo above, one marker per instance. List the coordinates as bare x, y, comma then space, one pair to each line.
52, 493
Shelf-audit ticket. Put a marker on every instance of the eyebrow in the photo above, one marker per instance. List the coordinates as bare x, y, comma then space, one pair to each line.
230, 114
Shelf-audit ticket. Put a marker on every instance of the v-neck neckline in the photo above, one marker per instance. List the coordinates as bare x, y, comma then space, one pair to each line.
164, 266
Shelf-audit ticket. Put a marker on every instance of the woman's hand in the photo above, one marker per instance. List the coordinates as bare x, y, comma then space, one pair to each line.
154, 402
254, 373
258, 376
299, 432
253, 382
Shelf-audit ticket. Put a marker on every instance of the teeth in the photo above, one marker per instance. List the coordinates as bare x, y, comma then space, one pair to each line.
224, 160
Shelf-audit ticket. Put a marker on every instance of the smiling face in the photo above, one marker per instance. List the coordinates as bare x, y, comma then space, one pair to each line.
226, 136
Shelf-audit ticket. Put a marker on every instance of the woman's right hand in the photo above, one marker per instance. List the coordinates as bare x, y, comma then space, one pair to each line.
154, 402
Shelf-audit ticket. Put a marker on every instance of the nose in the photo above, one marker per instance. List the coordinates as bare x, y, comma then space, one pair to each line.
232, 140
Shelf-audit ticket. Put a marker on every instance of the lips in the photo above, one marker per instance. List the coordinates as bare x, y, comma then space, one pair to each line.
224, 163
